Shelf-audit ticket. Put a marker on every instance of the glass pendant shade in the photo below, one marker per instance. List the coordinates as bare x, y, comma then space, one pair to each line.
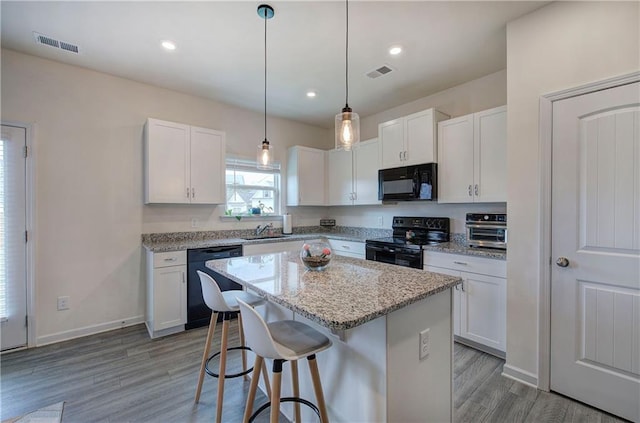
264, 158
347, 129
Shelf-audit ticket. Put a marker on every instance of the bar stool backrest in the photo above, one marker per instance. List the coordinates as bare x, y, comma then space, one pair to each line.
211, 293
257, 334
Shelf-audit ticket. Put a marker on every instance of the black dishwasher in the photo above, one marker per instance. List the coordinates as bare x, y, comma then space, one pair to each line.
198, 314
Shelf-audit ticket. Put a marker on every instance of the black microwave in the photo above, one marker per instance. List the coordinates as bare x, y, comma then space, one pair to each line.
409, 183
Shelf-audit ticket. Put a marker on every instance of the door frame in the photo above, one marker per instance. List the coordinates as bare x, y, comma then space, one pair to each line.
544, 222
30, 185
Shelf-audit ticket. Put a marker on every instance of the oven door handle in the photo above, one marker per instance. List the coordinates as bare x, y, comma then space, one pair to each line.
486, 226
381, 249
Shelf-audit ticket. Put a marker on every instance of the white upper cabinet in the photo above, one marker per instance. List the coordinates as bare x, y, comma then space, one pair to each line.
472, 157
353, 175
306, 176
410, 139
183, 164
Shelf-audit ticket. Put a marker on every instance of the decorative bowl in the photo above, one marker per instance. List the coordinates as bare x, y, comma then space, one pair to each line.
316, 255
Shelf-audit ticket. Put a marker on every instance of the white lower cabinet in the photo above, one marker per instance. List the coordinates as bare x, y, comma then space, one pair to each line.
347, 248
480, 302
166, 293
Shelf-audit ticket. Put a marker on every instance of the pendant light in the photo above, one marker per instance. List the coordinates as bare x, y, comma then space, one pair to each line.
265, 151
347, 122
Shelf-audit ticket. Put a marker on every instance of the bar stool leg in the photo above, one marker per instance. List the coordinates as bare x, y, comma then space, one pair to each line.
223, 366
266, 378
205, 355
296, 389
275, 393
252, 388
317, 387
243, 352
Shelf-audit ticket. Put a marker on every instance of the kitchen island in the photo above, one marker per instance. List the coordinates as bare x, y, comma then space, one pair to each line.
376, 315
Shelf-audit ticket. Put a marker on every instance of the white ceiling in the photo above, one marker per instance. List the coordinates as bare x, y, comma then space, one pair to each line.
220, 52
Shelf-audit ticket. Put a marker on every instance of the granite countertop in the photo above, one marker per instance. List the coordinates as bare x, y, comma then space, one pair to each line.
348, 293
164, 242
457, 247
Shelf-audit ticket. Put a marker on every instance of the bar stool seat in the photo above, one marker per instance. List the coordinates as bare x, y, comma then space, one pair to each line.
286, 340
226, 303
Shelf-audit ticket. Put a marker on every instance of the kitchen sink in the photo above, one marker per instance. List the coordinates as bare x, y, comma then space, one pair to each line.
250, 238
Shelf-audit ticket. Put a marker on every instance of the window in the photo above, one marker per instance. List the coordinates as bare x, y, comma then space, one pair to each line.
251, 191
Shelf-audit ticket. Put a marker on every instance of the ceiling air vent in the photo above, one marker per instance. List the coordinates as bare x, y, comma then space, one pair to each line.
382, 70
52, 42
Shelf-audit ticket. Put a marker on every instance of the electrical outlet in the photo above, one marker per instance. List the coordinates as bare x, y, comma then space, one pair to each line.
425, 345
63, 303
380, 221
194, 223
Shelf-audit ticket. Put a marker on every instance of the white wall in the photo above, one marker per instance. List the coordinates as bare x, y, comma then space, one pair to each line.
559, 46
89, 201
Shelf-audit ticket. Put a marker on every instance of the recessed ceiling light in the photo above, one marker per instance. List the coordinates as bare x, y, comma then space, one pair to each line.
169, 45
395, 50
311, 94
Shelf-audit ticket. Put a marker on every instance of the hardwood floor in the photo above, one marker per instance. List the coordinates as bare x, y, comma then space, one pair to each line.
123, 376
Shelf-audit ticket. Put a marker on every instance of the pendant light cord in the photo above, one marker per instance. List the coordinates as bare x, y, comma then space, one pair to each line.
346, 58
265, 73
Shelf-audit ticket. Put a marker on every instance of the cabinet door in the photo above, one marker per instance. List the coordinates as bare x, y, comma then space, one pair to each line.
311, 170
483, 310
340, 177
490, 151
166, 162
455, 160
170, 297
457, 296
366, 162
207, 166
391, 138
419, 138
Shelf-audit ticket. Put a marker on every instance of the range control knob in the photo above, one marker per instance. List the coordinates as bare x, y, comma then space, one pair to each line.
486, 217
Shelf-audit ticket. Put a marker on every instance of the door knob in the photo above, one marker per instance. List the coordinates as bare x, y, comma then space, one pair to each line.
562, 262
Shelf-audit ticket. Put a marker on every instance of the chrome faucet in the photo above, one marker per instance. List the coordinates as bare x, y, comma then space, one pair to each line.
261, 229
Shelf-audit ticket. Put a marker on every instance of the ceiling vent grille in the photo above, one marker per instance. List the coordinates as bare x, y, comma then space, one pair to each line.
52, 42
381, 71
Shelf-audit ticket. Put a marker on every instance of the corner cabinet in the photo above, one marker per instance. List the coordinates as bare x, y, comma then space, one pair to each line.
166, 293
480, 302
306, 176
472, 158
353, 175
410, 139
183, 164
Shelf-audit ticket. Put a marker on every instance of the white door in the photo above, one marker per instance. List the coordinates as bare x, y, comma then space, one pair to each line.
13, 206
391, 138
365, 172
167, 148
595, 281
455, 160
419, 138
340, 177
490, 155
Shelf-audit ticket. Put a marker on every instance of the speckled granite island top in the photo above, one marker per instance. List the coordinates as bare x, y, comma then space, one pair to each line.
348, 293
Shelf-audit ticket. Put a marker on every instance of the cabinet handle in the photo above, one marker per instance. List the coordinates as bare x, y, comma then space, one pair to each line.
193, 192
476, 190
457, 288
346, 247
400, 155
188, 193
171, 259
460, 262
183, 281
470, 195
404, 155
462, 284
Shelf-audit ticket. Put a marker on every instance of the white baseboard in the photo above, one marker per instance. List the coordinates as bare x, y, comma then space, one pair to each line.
88, 330
520, 375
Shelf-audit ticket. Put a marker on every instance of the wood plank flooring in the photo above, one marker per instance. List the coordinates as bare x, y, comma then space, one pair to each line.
123, 376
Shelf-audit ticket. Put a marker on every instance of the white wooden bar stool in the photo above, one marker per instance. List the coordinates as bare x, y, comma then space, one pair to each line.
226, 303
285, 340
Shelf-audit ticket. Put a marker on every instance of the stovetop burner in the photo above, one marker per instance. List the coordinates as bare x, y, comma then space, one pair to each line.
415, 232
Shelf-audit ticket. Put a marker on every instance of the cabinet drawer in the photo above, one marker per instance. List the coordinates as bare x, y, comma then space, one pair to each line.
350, 248
171, 258
471, 264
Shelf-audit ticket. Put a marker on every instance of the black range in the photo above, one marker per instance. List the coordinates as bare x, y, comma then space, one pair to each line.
410, 234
